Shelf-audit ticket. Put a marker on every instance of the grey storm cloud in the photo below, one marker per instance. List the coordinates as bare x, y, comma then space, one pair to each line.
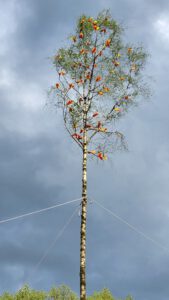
40, 166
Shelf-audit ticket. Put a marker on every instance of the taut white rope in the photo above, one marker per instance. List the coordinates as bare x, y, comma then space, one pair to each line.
60, 233
131, 226
38, 211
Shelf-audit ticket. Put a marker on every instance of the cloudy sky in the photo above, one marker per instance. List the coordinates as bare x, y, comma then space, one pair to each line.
40, 166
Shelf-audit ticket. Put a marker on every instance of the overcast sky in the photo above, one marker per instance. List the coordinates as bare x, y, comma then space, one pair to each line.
40, 166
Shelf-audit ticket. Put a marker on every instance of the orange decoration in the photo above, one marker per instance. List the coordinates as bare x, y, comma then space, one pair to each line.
98, 78
88, 75
95, 66
69, 102
100, 53
57, 85
106, 89
100, 155
126, 97
79, 81
95, 27
71, 85
107, 43
95, 114
81, 35
129, 50
94, 50
82, 51
100, 93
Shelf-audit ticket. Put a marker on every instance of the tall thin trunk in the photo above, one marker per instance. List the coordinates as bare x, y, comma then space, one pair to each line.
83, 219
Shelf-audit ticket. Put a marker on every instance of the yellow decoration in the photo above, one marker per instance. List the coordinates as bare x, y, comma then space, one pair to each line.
95, 27
102, 129
117, 109
92, 151
106, 89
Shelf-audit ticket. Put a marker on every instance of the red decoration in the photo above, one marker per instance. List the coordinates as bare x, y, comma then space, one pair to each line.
81, 35
69, 102
95, 114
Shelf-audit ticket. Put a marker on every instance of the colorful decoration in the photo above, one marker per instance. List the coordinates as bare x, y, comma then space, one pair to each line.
82, 51
98, 78
100, 93
129, 50
106, 89
101, 156
79, 81
88, 76
99, 124
57, 85
94, 50
95, 114
95, 27
71, 85
117, 109
74, 39
92, 151
69, 102
88, 126
77, 136
81, 35
108, 42
102, 129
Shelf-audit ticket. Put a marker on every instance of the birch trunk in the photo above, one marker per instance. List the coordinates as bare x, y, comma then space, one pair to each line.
83, 219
